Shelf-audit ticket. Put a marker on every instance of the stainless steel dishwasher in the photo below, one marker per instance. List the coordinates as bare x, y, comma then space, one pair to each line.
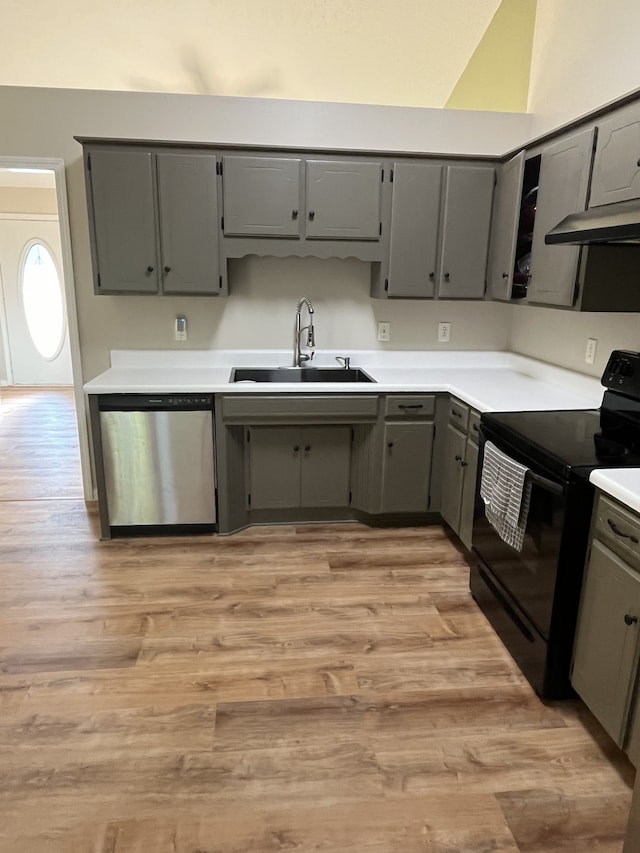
158, 461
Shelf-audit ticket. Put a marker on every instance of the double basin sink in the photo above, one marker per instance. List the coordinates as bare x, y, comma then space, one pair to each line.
299, 374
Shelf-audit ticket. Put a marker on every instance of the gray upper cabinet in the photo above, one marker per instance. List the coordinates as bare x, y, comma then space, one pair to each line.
300, 199
121, 193
343, 199
466, 224
415, 220
188, 223
261, 196
616, 168
153, 220
504, 230
563, 187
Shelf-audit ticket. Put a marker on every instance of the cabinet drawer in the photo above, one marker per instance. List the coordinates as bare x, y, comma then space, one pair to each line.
619, 528
459, 414
298, 408
408, 406
474, 425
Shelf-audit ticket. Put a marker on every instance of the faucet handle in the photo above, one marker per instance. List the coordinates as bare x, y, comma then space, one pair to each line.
346, 361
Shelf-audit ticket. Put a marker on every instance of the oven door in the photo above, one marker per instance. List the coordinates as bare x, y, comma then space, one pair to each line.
529, 575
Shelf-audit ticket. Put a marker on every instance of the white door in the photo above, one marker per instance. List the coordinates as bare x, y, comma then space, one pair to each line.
37, 345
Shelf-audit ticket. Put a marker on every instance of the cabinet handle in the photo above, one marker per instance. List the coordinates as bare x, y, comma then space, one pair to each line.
167, 269
619, 532
629, 620
463, 464
307, 448
456, 414
296, 448
475, 428
432, 276
458, 458
149, 269
390, 444
294, 214
409, 405
312, 214
505, 275
638, 163
447, 276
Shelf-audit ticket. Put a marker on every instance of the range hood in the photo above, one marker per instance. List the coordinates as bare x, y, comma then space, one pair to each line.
609, 223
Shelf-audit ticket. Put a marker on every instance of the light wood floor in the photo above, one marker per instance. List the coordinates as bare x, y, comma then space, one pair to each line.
307, 688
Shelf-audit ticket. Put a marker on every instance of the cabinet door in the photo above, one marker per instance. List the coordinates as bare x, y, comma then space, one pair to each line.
468, 493
261, 196
616, 169
415, 218
452, 477
504, 228
188, 223
564, 181
605, 649
124, 223
343, 199
406, 467
465, 231
274, 467
325, 466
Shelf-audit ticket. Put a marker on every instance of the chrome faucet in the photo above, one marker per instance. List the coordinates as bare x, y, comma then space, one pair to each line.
298, 356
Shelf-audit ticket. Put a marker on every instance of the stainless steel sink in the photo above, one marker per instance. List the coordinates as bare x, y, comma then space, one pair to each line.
299, 374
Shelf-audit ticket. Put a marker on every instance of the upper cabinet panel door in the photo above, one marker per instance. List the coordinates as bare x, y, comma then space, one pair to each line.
343, 200
188, 223
415, 217
123, 208
261, 196
564, 181
616, 169
465, 231
504, 228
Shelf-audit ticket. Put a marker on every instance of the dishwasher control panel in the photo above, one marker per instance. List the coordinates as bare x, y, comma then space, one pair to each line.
154, 402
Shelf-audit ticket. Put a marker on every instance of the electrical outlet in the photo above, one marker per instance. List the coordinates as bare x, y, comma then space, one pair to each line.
384, 331
590, 352
444, 333
181, 328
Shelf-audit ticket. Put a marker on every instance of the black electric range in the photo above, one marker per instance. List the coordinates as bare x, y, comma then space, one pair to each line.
531, 595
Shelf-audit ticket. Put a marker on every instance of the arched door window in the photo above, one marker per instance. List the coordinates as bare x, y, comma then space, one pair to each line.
42, 301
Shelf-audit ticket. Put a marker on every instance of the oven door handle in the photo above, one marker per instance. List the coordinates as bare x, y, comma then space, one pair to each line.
544, 483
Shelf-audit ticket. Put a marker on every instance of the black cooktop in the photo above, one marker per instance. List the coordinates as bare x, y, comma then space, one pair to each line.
571, 443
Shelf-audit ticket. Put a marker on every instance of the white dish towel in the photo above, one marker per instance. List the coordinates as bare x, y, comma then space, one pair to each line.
506, 494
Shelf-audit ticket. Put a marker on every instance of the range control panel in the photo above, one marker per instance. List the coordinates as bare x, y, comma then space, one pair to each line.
622, 372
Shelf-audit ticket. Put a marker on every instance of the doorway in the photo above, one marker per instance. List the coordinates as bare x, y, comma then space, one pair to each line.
33, 319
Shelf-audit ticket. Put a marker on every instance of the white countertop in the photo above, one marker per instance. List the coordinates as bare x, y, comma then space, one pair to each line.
623, 484
487, 381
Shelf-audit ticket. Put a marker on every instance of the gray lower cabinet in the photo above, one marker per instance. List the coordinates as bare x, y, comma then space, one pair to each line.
298, 466
406, 466
459, 470
616, 167
605, 655
153, 221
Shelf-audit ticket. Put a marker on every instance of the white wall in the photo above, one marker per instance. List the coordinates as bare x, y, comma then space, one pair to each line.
585, 54
560, 337
43, 122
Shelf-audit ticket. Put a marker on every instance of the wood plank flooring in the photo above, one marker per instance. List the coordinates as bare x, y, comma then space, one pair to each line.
304, 688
